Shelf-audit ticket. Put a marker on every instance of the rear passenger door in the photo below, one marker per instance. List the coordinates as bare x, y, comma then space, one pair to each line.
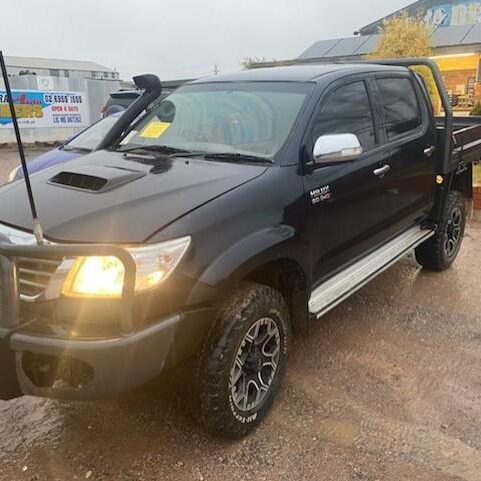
409, 138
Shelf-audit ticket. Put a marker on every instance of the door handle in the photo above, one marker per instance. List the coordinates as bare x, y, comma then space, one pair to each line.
382, 171
428, 152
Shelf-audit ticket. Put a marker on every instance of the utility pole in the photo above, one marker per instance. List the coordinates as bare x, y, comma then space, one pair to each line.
216, 69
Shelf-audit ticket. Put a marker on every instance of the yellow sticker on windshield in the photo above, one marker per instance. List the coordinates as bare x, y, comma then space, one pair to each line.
154, 129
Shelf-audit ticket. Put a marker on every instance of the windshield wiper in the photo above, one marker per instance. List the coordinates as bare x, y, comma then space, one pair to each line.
237, 157
161, 149
173, 152
69, 148
188, 154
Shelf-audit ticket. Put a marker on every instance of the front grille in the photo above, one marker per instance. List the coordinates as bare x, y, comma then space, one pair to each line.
34, 275
79, 181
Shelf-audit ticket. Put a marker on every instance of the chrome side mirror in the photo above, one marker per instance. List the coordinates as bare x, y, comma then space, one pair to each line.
331, 149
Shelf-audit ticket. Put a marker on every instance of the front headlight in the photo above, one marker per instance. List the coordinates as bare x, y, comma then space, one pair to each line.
103, 276
13, 173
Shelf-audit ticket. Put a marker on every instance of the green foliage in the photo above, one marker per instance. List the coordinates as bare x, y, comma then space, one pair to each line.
252, 62
403, 36
477, 174
476, 109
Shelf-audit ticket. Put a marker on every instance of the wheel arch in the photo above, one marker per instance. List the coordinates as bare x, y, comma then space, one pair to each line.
289, 278
273, 256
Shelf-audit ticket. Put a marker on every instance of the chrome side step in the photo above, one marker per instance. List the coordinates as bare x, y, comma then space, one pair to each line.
338, 288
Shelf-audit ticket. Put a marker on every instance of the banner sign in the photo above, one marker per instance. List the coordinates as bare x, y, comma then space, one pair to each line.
455, 13
41, 109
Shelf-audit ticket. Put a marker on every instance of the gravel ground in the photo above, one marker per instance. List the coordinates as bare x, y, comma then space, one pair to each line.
385, 387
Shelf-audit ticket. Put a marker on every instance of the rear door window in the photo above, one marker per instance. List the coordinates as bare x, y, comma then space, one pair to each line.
400, 106
347, 111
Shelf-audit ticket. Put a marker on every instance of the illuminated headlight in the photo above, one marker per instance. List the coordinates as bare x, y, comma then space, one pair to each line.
103, 276
13, 173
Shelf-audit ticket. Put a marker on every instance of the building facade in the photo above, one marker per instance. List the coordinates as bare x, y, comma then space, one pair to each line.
50, 67
456, 27
54, 99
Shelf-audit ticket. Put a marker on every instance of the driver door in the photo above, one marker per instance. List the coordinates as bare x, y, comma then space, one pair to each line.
346, 202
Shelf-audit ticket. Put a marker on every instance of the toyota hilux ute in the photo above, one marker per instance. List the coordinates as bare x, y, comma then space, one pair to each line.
210, 227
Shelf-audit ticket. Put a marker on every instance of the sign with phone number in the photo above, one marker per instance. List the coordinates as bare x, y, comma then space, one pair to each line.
37, 109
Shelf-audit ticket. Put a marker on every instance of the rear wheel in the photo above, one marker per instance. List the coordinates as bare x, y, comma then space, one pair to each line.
243, 361
440, 251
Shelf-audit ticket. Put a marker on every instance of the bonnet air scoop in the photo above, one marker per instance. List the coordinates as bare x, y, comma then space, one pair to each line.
95, 179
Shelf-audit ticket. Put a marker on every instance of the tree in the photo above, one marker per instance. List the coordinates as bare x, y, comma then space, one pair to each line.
252, 62
403, 37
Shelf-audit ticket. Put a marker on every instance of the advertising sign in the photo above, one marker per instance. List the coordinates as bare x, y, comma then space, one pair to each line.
45, 109
455, 13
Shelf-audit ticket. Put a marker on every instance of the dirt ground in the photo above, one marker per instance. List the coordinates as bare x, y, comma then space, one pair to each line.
386, 387
9, 159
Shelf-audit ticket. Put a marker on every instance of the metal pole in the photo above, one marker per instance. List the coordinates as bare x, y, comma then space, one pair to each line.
37, 229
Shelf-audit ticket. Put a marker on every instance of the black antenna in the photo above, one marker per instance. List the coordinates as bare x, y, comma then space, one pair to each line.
37, 229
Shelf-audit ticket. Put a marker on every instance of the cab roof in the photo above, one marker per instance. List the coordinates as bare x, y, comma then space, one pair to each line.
298, 73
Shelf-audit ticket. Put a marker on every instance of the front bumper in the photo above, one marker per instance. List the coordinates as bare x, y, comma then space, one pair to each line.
93, 368
85, 369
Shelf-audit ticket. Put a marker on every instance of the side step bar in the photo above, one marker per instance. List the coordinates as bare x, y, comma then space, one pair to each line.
338, 288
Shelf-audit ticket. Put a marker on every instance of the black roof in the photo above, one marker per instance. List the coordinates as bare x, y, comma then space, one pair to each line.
294, 73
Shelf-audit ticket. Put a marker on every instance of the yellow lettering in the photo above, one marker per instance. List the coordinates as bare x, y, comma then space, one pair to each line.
38, 111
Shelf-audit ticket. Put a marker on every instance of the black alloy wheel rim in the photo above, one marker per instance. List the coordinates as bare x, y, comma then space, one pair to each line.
255, 365
453, 233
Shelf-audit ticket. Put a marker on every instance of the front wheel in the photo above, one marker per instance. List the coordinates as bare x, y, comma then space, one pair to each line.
440, 251
243, 361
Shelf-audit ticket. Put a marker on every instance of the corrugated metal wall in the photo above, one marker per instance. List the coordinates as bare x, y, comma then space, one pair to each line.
96, 90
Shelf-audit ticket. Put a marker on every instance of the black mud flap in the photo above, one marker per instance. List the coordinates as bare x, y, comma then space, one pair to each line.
9, 388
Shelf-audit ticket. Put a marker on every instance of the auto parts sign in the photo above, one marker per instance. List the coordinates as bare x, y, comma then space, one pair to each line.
42, 109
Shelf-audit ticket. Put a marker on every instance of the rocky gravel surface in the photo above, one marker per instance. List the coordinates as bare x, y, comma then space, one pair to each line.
386, 387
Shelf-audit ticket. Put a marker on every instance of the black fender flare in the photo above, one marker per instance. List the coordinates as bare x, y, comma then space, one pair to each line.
256, 249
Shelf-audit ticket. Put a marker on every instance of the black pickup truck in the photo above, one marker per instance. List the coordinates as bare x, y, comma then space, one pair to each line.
211, 226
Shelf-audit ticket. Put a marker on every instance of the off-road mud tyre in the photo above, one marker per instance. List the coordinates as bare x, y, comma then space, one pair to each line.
440, 251
252, 307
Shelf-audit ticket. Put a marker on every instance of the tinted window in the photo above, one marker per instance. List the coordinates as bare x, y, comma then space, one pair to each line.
347, 111
251, 118
401, 109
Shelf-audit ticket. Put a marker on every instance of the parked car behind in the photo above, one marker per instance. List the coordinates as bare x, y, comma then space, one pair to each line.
119, 101
86, 141
83, 143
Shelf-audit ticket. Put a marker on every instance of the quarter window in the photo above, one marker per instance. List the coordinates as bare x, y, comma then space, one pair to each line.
347, 111
400, 106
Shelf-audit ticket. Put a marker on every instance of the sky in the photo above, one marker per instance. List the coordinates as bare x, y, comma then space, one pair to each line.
179, 38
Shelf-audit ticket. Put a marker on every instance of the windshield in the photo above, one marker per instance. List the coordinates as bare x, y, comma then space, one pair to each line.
91, 137
250, 118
